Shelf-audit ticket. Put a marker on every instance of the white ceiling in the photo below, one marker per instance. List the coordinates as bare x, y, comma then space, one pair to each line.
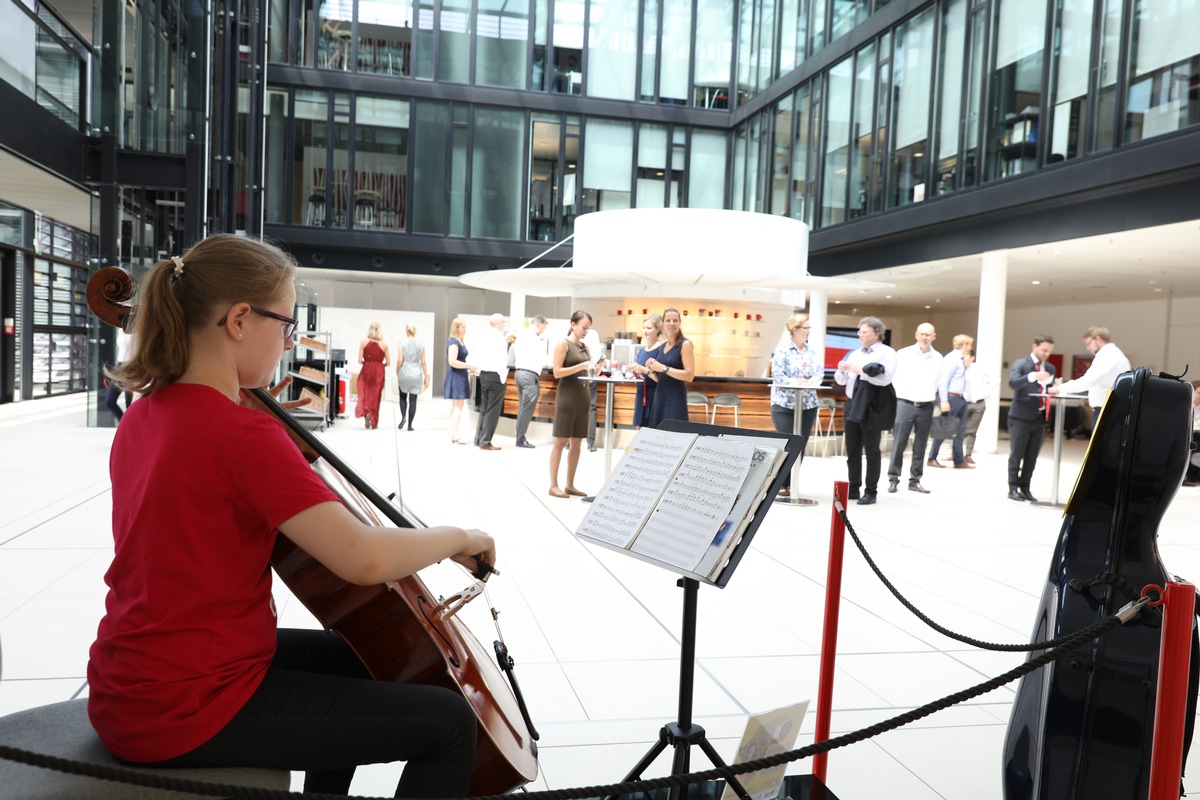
1140, 264
1135, 265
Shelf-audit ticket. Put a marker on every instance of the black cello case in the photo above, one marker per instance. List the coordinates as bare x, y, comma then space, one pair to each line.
1081, 726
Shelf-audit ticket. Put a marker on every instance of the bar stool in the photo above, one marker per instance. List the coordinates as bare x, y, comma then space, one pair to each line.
827, 408
726, 401
316, 207
698, 399
365, 201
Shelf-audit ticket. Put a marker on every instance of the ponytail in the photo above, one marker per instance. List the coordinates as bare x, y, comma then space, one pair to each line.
184, 293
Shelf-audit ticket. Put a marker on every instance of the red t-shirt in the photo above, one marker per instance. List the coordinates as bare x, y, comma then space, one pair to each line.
199, 488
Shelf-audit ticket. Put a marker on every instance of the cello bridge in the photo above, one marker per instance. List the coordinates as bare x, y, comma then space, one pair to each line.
449, 606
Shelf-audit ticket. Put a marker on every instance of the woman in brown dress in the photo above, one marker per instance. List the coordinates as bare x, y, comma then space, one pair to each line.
571, 403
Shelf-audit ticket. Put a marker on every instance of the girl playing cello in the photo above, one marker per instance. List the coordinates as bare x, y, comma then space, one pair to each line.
188, 667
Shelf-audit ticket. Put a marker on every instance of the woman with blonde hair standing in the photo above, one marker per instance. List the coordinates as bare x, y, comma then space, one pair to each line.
795, 364
571, 403
673, 365
457, 386
412, 374
373, 355
651, 340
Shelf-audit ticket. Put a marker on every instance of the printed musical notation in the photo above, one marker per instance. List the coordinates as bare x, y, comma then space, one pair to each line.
671, 496
696, 503
626, 501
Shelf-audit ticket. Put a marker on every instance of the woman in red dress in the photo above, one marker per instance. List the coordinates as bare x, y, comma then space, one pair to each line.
373, 355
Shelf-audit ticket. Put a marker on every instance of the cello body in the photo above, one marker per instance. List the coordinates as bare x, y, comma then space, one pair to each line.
1081, 727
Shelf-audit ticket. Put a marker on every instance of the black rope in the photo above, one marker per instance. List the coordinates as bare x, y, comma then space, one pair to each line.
1003, 648
1069, 645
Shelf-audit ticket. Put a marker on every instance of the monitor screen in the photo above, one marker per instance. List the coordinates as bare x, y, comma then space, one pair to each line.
840, 341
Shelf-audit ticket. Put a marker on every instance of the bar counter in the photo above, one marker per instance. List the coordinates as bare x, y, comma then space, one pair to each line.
754, 414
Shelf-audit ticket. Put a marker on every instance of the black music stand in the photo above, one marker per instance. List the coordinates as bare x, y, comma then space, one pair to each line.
683, 733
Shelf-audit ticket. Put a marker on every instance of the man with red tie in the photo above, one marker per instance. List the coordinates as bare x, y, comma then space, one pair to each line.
1027, 416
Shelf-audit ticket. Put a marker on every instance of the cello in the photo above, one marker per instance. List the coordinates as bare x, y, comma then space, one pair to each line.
1081, 727
399, 629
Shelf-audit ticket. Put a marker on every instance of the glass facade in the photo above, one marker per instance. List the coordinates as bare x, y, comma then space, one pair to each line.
957, 94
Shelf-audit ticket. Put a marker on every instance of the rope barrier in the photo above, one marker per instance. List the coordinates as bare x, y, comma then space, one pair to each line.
958, 637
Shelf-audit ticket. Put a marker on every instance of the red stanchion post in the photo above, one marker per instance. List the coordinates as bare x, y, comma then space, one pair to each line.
1170, 705
833, 599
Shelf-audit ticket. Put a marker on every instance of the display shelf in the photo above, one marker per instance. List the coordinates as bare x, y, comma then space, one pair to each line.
309, 363
726, 345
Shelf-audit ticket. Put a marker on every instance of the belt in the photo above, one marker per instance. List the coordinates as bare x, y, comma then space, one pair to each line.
915, 404
523, 369
954, 394
974, 402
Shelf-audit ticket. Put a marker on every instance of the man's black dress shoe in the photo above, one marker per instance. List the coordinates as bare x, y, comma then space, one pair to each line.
524, 443
1013, 494
892, 484
866, 500
915, 486
1025, 493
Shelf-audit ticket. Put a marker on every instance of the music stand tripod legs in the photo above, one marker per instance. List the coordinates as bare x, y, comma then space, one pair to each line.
682, 734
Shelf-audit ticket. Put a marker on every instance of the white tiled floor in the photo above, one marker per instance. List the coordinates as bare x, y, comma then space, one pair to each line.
595, 634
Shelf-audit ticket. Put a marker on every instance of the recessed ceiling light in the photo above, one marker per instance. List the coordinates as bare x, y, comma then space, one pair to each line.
1036, 283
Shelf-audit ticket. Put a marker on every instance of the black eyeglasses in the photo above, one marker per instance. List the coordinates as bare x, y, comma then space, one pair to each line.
287, 324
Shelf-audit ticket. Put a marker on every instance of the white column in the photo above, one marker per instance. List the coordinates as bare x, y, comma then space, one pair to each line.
516, 311
818, 320
989, 341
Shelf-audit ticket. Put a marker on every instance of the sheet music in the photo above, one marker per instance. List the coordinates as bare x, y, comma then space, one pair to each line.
763, 467
633, 490
697, 504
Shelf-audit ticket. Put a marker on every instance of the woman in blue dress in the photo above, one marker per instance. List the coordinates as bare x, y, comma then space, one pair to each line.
457, 386
673, 366
651, 335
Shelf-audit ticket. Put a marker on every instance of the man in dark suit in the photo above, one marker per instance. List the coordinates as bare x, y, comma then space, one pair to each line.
1027, 416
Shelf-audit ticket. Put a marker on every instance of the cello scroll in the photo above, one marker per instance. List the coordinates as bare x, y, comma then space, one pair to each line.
107, 292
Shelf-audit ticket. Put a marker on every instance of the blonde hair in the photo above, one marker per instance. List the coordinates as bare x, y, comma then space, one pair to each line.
176, 297
656, 321
410, 329
962, 339
455, 324
1099, 332
375, 331
795, 321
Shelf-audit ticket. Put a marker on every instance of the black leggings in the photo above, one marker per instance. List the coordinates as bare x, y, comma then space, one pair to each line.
318, 710
411, 401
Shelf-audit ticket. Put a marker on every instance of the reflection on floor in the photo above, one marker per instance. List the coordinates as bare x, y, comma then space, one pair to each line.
595, 634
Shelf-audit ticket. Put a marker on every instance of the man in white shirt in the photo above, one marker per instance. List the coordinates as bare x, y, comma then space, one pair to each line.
915, 383
595, 349
873, 364
532, 354
1107, 363
491, 356
952, 386
980, 386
